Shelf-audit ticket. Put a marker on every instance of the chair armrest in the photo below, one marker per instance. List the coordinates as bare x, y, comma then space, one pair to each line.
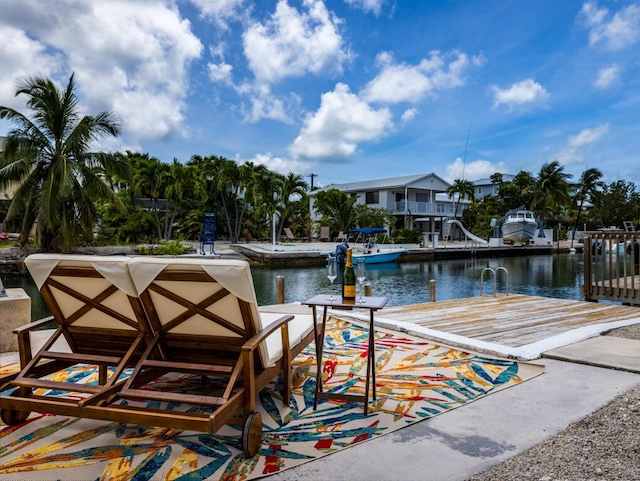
33, 325
24, 339
258, 337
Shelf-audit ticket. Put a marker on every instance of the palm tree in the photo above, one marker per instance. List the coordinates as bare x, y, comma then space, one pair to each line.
551, 190
149, 182
290, 186
587, 189
183, 187
48, 157
464, 188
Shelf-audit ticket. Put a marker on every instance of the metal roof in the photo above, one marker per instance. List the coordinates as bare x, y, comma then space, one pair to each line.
389, 182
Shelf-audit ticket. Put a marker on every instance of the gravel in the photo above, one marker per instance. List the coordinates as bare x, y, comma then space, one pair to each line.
604, 446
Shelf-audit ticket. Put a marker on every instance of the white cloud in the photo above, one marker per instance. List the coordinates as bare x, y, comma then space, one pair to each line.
220, 11
373, 6
264, 105
477, 169
524, 92
21, 56
279, 164
129, 57
409, 114
342, 121
615, 32
606, 76
574, 150
219, 72
293, 43
401, 82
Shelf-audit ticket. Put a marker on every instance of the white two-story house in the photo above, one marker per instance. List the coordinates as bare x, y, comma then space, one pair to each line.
409, 198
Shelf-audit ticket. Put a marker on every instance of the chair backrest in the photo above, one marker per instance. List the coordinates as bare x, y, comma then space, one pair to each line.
288, 233
204, 310
325, 232
92, 298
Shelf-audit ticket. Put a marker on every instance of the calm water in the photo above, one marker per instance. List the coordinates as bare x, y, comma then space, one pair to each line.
558, 276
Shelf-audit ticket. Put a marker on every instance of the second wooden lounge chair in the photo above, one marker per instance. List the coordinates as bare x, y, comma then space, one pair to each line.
206, 322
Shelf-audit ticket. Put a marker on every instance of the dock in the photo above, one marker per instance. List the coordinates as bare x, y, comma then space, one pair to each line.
512, 326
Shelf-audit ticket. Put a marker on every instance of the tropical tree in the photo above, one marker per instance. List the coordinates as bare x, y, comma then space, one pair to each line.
551, 190
49, 158
587, 189
463, 188
290, 188
183, 189
337, 209
517, 192
149, 182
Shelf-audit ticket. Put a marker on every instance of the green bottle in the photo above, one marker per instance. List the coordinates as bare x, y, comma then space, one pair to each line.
349, 278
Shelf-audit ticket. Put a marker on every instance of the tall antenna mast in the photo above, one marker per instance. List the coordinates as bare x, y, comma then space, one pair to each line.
466, 145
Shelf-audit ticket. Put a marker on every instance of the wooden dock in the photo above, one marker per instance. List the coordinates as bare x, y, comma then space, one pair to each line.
510, 320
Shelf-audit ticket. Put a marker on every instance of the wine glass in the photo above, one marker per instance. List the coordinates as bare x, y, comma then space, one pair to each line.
332, 273
361, 275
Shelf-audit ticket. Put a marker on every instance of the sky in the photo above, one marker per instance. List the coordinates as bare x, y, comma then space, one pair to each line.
347, 90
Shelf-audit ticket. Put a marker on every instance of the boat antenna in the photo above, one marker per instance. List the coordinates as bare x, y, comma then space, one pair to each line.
466, 145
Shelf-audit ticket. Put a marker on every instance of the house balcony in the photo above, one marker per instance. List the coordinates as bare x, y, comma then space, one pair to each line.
433, 209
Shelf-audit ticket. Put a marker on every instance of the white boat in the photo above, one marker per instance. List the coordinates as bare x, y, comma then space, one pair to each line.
519, 227
370, 250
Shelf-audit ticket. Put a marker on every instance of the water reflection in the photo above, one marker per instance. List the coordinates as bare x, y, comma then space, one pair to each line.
558, 276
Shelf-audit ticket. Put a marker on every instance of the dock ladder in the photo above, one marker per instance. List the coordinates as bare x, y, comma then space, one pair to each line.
495, 277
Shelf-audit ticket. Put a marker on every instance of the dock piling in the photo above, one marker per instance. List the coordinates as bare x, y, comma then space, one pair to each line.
279, 289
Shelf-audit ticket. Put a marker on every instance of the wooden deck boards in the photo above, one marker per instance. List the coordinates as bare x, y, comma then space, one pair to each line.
514, 320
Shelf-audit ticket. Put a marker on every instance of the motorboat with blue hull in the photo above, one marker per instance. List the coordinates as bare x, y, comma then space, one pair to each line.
366, 246
519, 227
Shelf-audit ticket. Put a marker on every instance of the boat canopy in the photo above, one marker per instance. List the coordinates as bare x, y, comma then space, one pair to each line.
367, 230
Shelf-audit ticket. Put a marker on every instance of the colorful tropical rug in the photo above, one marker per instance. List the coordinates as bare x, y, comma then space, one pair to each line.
416, 380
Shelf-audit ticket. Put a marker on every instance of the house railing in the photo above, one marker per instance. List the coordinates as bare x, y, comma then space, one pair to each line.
444, 209
612, 266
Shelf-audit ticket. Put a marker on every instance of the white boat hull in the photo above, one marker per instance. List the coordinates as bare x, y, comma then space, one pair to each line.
519, 231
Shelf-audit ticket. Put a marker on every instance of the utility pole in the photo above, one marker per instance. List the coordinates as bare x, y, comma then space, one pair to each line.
310, 228
312, 177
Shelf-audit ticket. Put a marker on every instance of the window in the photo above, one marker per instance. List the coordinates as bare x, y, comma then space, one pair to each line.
372, 197
422, 197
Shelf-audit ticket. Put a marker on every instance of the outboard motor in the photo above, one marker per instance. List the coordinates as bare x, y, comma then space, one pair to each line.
341, 252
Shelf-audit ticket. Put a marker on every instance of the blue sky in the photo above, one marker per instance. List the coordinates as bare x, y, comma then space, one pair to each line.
348, 89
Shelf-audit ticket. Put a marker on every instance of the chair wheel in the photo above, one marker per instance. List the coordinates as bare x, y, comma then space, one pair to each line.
13, 416
252, 434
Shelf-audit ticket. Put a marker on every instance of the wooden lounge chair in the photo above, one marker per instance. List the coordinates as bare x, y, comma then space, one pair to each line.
99, 321
206, 322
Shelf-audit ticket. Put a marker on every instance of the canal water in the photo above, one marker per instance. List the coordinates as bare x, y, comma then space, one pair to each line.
558, 275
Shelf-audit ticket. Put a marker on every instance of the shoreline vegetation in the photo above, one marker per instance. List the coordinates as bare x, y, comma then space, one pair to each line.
284, 255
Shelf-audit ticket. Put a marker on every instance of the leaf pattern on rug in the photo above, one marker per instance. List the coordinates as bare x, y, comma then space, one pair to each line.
416, 379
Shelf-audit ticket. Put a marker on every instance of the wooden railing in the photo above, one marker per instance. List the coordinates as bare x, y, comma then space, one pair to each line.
612, 266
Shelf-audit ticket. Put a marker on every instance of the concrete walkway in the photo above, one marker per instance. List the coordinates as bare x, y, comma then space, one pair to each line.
471, 439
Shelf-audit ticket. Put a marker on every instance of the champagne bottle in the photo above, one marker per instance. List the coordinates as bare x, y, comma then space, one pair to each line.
349, 278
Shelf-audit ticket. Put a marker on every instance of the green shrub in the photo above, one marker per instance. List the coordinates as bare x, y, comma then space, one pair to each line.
407, 236
165, 248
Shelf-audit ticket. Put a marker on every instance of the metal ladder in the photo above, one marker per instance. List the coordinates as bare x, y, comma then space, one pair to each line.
495, 276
